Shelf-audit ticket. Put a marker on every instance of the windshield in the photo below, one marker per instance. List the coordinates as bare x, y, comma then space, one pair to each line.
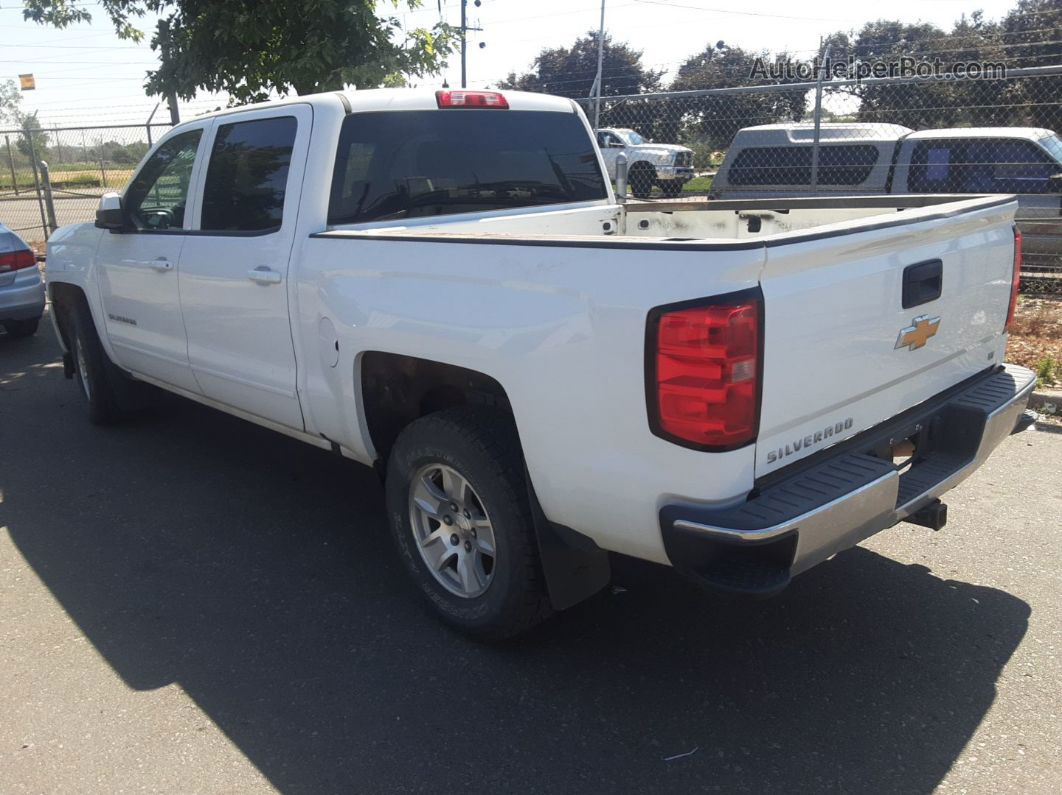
408, 164
1054, 146
631, 137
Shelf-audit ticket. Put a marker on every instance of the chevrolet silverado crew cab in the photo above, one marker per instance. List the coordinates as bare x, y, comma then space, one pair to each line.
442, 285
668, 166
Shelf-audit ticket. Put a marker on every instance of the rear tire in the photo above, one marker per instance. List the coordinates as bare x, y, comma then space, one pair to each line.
22, 328
641, 177
103, 386
469, 458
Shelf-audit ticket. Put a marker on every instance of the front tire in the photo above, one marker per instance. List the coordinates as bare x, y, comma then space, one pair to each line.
101, 383
641, 177
22, 328
458, 509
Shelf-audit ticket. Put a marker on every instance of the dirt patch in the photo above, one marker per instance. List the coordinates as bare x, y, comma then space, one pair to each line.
1036, 333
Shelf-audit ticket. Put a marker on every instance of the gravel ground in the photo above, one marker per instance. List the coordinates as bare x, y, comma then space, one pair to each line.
193, 604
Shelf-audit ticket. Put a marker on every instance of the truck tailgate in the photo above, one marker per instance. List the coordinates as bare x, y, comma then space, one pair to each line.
841, 351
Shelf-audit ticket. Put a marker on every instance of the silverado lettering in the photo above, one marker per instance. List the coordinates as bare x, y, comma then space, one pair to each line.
808, 441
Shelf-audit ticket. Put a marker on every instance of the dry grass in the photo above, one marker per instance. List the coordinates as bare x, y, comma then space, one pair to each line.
1036, 333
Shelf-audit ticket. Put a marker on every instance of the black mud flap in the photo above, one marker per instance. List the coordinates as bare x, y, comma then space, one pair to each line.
574, 566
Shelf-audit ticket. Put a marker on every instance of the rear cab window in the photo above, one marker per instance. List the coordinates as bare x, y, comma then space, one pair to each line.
412, 164
839, 164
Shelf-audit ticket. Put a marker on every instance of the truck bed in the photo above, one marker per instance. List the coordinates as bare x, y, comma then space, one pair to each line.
557, 304
680, 221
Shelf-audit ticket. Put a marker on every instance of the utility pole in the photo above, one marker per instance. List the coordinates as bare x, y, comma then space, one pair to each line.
600, 60
464, 36
464, 30
818, 114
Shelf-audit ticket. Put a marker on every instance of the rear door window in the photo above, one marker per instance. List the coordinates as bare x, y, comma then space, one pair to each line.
408, 164
247, 176
980, 165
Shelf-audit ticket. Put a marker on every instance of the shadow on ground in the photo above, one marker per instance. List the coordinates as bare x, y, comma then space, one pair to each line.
255, 572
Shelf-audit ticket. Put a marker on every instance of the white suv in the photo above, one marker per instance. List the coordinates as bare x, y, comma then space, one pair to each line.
668, 165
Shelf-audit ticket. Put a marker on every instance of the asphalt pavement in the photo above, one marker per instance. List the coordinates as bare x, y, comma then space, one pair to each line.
189, 603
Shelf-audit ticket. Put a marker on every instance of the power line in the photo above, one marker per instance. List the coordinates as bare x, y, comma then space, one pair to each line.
746, 13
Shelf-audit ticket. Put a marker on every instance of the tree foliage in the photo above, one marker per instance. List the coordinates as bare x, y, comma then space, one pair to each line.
251, 48
717, 118
10, 102
570, 71
12, 115
33, 142
1030, 36
913, 105
1027, 36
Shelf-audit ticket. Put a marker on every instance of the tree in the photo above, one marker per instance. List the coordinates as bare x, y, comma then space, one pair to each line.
1030, 36
32, 132
570, 72
10, 102
250, 49
916, 105
715, 119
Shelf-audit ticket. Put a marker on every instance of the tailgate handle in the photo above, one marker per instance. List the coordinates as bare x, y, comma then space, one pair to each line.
922, 282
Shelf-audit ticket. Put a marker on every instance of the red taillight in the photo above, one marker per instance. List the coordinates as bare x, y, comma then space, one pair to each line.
17, 260
706, 378
1016, 281
471, 99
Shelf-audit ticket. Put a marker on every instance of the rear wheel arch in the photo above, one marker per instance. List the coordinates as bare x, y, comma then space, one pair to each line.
396, 389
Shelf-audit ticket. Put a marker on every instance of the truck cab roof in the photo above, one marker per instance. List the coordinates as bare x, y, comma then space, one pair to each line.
1025, 133
833, 132
377, 99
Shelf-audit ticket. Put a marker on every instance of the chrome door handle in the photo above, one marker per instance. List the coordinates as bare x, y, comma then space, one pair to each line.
161, 264
263, 275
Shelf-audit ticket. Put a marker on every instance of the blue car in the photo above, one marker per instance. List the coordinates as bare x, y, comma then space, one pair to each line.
21, 286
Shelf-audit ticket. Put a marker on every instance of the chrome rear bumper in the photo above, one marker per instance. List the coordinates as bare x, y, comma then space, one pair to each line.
836, 500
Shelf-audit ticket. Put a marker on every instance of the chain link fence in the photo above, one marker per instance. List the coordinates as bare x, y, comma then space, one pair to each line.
75, 164
991, 133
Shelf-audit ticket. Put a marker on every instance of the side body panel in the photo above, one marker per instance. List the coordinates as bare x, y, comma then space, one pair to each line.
561, 328
137, 272
239, 334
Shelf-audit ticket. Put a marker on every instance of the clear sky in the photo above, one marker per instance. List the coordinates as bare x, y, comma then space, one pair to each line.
86, 75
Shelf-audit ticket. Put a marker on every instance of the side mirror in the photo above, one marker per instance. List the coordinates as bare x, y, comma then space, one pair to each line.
109, 213
615, 144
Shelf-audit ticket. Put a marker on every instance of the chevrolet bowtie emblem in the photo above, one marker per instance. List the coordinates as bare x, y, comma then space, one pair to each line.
921, 329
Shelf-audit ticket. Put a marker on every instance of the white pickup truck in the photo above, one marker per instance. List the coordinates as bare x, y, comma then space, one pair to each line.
442, 285
669, 166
